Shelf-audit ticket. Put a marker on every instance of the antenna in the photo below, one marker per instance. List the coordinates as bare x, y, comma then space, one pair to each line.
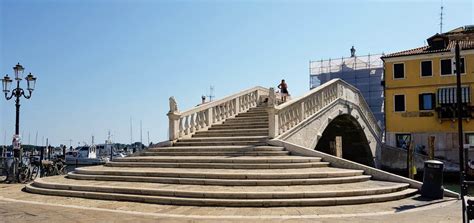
141, 138
131, 134
211, 93
441, 18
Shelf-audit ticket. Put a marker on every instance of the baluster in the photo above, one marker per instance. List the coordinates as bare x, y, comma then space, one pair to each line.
226, 107
217, 114
234, 107
204, 118
192, 123
180, 127
186, 125
281, 120
244, 104
222, 112
198, 120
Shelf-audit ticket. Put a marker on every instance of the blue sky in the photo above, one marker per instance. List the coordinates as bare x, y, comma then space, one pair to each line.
100, 62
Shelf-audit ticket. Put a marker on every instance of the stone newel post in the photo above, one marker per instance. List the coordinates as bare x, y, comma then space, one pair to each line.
272, 114
173, 117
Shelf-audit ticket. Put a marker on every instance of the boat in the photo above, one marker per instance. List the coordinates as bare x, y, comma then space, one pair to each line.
85, 155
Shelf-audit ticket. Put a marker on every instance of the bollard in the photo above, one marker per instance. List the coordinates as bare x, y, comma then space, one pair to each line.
41, 161
433, 180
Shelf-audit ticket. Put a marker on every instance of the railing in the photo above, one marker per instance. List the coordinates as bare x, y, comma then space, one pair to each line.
186, 123
287, 115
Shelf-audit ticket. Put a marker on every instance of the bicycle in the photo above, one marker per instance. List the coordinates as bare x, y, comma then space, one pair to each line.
54, 167
28, 171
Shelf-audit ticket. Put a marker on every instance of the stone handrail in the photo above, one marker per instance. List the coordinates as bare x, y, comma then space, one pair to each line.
287, 115
184, 124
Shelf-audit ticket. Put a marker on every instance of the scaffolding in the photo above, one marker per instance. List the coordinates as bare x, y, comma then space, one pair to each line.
363, 72
344, 64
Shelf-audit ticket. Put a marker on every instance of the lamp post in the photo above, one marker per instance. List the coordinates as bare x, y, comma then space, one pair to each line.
17, 93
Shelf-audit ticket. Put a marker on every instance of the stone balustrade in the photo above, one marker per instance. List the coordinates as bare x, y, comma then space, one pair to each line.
287, 115
184, 124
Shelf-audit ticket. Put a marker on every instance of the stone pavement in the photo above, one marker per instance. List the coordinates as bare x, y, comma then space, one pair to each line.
19, 206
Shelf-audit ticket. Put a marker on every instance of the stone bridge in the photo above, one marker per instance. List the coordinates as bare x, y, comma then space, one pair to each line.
312, 121
248, 150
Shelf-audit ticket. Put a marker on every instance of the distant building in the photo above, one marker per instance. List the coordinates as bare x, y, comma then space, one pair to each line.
420, 93
363, 72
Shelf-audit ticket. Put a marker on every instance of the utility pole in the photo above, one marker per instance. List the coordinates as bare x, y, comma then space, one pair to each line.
141, 138
148, 133
36, 139
460, 131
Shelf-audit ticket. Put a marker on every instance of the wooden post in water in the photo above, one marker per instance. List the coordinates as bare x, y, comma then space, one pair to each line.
431, 147
411, 160
339, 146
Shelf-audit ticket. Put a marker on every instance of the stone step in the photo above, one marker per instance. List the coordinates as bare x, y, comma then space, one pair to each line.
238, 126
216, 149
221, 143
230, 134
223, 192
220, 139
218, 153
219, 165
236, 130
260, 108
308, 173
245, 122
250, 118
221, 159
330, 201
253, 114
222, 182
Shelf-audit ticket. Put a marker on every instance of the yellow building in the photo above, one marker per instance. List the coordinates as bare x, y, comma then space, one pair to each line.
420, 87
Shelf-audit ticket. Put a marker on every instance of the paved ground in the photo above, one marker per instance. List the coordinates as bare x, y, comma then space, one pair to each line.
18, 206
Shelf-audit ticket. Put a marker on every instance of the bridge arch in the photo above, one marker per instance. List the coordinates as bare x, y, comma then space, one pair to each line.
355, 146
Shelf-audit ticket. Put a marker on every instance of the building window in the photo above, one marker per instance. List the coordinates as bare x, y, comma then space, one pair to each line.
470, 139
426, 68
399, 103
398, 70
427, 101
463, 66
446, 67
403, 140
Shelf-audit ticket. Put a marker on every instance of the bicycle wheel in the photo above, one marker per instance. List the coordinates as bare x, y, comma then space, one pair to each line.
63, 170
34, 172
24, 175
3, 176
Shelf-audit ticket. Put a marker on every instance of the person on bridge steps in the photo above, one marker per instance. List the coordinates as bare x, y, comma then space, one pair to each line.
283, 90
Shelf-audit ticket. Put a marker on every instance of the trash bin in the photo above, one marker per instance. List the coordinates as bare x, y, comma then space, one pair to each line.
433, 180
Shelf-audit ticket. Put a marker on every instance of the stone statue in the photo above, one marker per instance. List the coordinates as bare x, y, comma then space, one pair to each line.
173, 105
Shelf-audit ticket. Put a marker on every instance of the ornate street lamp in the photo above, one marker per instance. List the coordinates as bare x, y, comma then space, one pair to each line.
17, 93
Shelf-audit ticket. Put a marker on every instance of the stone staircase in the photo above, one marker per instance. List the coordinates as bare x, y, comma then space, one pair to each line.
230, 164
